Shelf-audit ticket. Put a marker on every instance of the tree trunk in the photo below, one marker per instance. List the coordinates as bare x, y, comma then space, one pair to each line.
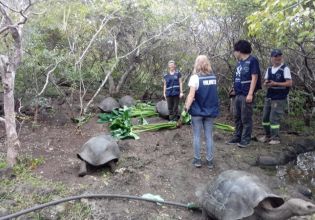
111, 85
12, 141
124, 77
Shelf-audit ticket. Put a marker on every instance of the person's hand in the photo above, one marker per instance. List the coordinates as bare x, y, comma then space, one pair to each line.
232, 93
185, 109
270, 83
249, 98
164, 96
181, 95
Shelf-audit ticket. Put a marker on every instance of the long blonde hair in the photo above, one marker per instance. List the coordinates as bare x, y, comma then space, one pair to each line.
202, 65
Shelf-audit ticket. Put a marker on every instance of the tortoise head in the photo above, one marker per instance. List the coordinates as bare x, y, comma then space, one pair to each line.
301, 207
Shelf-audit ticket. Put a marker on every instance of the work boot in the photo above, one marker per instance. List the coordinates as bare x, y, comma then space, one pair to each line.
234, 140
243, 144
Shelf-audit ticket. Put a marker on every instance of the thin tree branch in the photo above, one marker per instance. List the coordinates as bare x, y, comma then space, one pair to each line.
104, 22
7, 28
47, 79
155, 36
8, 7
124, 77
9, 21
101, 86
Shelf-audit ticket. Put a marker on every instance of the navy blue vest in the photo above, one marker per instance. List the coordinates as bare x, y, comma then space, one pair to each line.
277, 92
243, 75
172, 84
206, 101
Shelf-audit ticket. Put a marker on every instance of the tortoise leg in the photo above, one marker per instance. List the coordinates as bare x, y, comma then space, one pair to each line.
83, 169
205, 216
112, 166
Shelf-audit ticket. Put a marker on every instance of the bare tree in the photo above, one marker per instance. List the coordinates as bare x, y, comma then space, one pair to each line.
8, 66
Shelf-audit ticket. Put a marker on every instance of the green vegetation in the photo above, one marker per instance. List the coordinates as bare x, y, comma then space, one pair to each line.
121, 126
140, 110
27, 189
154, 126
224, 127
127, 44
120, 121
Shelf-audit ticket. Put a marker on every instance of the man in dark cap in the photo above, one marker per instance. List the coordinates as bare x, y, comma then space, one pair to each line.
278, 81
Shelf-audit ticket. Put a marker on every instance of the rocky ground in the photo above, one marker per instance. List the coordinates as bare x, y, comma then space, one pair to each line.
158, 163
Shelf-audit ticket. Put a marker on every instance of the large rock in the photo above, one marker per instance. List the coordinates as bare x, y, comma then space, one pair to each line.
127, 101
162, 109
108, 104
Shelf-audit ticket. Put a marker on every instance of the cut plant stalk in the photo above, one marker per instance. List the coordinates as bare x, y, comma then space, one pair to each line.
224, 127
154, 127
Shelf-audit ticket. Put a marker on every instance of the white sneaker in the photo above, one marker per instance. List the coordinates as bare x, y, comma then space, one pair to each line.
263, 139
273, 142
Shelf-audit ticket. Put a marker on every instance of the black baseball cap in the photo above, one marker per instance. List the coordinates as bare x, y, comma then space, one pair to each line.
276, 52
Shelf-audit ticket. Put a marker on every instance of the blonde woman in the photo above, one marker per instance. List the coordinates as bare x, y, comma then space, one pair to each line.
202, 103
172, 90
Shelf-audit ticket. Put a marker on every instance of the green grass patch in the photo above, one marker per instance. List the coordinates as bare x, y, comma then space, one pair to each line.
26, 190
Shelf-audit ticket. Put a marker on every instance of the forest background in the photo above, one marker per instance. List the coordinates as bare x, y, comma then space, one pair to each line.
80, 50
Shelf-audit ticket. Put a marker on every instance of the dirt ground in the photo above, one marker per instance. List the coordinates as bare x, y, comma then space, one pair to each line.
158, 163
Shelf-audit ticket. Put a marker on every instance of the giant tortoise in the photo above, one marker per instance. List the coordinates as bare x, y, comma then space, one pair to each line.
162, 109
240, 195
97, 151
126, 100
108, 104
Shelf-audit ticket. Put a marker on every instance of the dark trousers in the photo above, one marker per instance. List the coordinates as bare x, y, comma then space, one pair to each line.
272, 115
243, 118
172, 104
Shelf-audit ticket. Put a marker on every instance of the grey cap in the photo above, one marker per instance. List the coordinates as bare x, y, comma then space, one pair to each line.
276, 52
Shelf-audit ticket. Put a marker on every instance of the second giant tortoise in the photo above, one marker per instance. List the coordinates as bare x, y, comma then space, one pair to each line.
108, 104
162, 109
97, 151
240, 195
127, 100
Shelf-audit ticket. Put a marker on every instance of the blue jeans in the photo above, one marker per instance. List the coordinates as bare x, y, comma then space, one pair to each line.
199, 123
